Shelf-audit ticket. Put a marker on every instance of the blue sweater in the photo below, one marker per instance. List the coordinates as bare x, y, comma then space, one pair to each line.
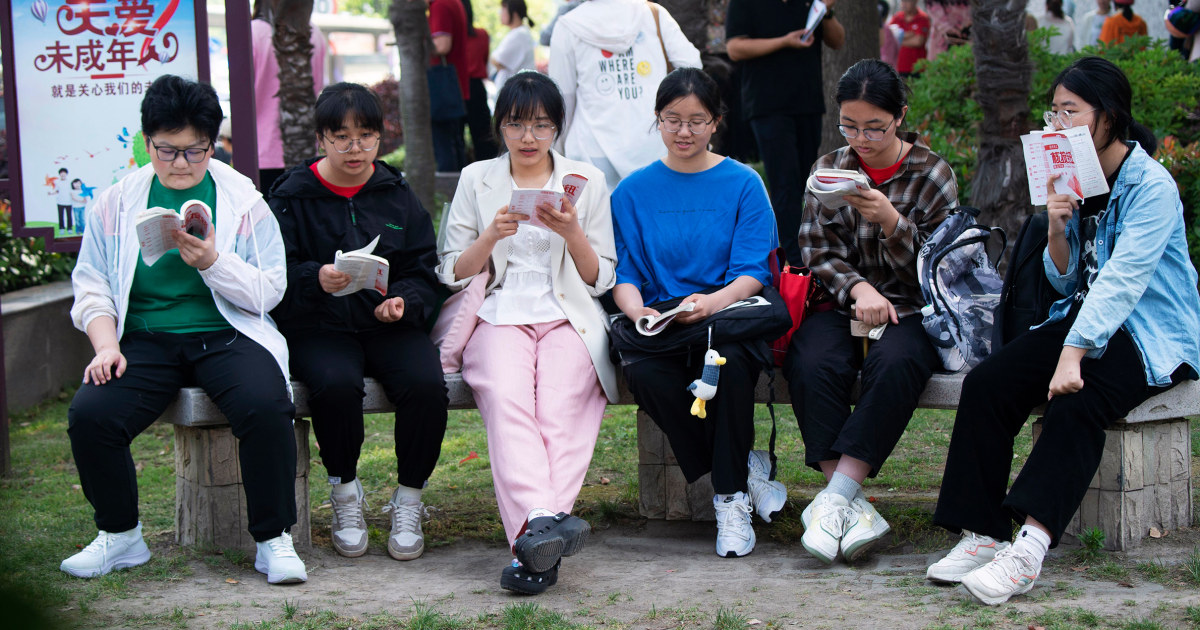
679, 233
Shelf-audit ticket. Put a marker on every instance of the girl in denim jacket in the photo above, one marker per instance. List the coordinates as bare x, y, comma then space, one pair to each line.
1123, 331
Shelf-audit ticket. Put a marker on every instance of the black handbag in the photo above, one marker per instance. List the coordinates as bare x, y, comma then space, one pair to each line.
445, 96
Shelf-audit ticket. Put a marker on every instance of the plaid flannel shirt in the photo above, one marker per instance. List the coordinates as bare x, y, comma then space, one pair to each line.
842, 249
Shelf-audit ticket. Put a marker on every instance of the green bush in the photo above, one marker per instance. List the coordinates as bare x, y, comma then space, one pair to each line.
24, 262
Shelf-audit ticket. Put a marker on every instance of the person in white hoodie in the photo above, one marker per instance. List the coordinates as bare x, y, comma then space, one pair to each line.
608, 57
197, 315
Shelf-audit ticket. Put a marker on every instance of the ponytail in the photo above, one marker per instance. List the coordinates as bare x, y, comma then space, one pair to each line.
1143, 136
1127, 11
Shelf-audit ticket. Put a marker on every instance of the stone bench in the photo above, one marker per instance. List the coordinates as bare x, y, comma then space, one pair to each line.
1144, 479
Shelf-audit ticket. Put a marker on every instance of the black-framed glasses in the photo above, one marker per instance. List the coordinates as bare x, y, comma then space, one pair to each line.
194, 155
672, 124
874, 134
1065, 119
343, 143
516, 130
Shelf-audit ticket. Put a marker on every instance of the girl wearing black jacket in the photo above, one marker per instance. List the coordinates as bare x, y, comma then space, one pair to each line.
343, 201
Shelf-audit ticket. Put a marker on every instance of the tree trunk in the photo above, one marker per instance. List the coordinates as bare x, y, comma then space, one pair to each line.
292, 40
861, 20
413, 43
1002, 75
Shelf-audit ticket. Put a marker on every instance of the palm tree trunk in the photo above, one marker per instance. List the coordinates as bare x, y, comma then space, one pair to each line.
1003, 74
297, 103
413, 43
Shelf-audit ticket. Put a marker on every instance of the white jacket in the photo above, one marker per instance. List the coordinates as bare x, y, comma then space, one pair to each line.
483, 187
247, 280
606, 58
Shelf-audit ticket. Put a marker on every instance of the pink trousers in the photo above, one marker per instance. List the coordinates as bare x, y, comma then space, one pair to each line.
542, 404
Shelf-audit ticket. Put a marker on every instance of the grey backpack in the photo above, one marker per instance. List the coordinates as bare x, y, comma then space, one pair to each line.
961, 287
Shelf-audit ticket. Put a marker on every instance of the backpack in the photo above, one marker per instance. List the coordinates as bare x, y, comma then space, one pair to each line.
961, 286
1027, 295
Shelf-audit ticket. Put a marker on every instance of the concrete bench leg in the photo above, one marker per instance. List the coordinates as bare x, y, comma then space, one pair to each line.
210, 506
1144, 481
663, 491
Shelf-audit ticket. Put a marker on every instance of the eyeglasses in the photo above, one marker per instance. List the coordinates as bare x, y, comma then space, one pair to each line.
874, 135
1065, 119
343, 143
193, 155
674, 125
516, 130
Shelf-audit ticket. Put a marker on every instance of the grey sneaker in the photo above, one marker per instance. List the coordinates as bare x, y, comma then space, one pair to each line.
108, 552
406, 542
349, 530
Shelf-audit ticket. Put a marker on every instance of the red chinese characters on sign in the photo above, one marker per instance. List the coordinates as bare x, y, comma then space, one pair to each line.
107, 39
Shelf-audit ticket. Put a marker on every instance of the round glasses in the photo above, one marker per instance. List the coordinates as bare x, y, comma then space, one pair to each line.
1065, 119
674, 125
874, 135
516, 130
343, 143
193, 155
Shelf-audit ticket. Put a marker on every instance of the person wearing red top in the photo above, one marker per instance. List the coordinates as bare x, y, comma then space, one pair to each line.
448, 26
479, 116
1122, 24
915, 24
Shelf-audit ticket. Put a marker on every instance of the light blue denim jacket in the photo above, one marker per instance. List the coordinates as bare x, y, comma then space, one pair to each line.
1146, 282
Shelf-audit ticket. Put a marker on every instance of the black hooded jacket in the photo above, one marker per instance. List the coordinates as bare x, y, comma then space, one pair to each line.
316, 223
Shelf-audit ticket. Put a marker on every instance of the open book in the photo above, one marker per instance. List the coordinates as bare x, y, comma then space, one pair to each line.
650, 325
155, 226
366, 270
526, 200
829, 185
1068, 153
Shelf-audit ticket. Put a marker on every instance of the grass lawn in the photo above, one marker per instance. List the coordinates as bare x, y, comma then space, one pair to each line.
45, 518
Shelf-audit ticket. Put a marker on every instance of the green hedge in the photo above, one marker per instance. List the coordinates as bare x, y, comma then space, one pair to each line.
24, 262
1166, 90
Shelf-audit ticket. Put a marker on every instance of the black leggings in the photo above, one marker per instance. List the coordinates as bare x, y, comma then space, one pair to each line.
333, 364
244, 381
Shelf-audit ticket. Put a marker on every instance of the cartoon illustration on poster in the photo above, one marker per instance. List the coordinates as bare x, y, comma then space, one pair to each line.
81, 68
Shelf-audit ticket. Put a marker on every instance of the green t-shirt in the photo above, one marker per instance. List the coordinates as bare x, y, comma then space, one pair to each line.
171, 296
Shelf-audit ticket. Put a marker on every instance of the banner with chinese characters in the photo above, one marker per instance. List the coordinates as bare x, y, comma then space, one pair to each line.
81, 68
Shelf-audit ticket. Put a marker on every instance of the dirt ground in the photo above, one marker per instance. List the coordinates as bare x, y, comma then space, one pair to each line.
663, 575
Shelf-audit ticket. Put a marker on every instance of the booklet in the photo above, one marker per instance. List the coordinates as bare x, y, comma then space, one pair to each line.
816, 13
526, 200
1068, 153
155, 226
829, 185
650, 325
366, 270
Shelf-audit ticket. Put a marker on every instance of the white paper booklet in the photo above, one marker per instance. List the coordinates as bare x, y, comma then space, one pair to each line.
366, 270
1068, 152
829, 185
526, 200
155, 226
816, 13
650, 325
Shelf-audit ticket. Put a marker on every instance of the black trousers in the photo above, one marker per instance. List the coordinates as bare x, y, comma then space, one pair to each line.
479, 121
244, 381
997, 397
821, 367
65, 211
720, 443
406, 362
449, 148
788, 146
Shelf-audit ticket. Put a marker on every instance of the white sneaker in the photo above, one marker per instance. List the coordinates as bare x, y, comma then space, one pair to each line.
831, 515
108, 552
735, 535
406, 542
865, 528
349, 529
277, 558
972, 552
768, 497
1010, 573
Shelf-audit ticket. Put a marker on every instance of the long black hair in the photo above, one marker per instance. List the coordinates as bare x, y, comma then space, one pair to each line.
1101, 84
876, 83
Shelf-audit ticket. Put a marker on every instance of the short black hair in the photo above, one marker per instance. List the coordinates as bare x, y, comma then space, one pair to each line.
685, 82
1101, 84
76, 181
517, 8
348, 99
174, 103
520, 98
876, 83
62, 170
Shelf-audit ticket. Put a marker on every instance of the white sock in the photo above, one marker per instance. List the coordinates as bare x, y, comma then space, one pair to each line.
844, 486
404, 494
345, 491
539, 512
1033, 541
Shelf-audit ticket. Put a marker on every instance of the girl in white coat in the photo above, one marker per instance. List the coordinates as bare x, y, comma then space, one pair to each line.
538, 360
